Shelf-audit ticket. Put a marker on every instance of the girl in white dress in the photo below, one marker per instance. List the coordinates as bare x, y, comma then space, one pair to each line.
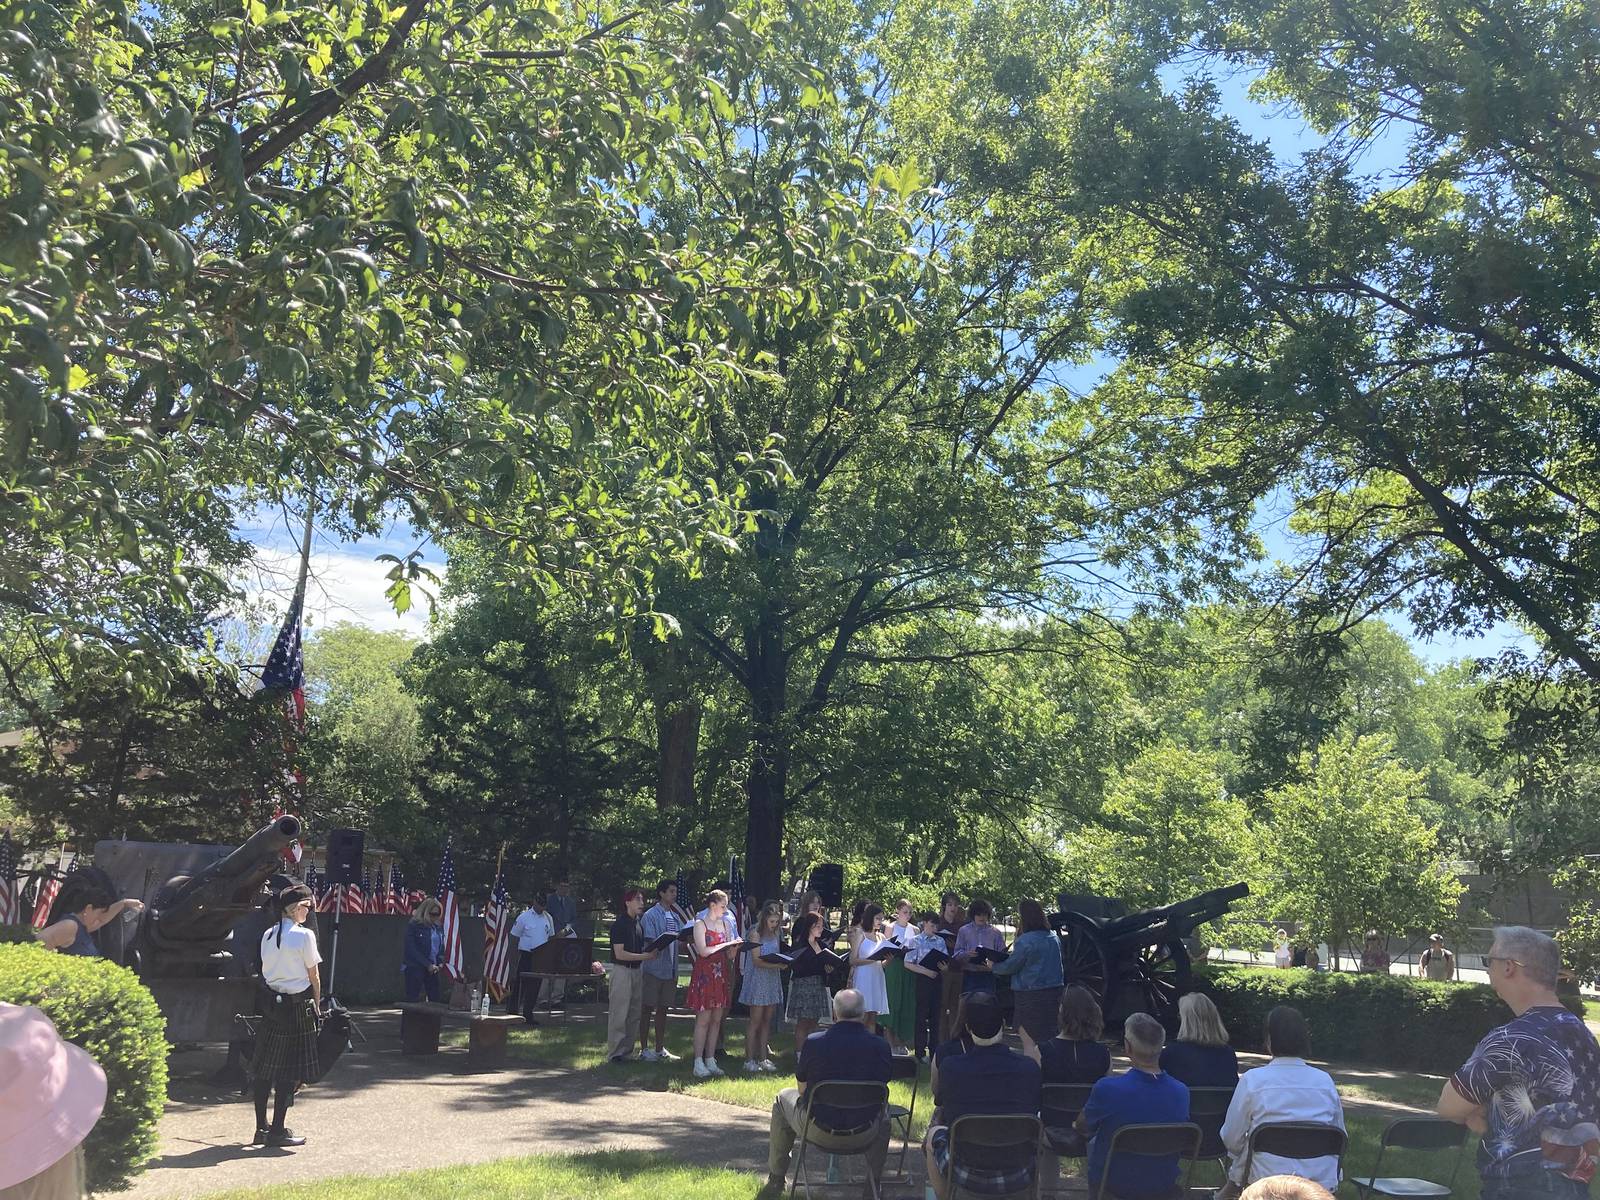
867, 977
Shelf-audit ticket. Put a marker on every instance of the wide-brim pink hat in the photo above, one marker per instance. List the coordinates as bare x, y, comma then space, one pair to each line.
51, 1094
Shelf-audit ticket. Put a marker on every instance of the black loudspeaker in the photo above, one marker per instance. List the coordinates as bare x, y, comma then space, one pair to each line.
345, 848
827, 880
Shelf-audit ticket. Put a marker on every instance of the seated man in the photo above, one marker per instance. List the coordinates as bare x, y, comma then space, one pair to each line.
1144, 1094
846, 1050
988, 1079
1285, 1089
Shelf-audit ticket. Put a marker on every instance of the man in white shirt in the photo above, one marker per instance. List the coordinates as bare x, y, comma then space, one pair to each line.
532, 929
1285, 1089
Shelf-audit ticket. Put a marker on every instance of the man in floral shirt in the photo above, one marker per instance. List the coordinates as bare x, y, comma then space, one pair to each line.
1532, 1087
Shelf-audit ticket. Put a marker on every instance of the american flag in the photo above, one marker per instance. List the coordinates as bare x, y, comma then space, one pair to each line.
497, 941
450, 922
49, 889
313, 883
397, 892
328, 900
10, 902
735, 892
413, 898
684, 901
285, 669
355, 903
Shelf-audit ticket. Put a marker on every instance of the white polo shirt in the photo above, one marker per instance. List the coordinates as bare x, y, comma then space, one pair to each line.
287, 968
1284, 1089
532, 929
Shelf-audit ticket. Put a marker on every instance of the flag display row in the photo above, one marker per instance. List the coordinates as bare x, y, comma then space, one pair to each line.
373, 896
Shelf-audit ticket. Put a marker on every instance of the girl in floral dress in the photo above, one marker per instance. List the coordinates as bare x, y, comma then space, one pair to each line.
710, 990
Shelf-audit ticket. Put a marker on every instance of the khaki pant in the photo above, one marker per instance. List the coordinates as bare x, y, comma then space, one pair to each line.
787, 1118
627, 999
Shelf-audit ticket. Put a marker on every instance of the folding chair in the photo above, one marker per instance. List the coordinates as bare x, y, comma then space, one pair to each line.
841, 1093
905, 1066
1208, 1108
1430, 1134
1059, 1110
994, 1136
1296, 1139
1177, 1137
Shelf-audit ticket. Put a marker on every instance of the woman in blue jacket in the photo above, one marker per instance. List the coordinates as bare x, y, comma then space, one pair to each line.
1034, 965
424, 950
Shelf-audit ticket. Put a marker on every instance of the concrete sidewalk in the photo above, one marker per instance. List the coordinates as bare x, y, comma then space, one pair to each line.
379, 1112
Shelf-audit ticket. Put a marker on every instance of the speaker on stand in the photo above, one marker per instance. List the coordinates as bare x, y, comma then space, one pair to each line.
345, 850
827, 880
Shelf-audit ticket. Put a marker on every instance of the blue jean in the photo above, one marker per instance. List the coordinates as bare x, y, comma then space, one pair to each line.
1537, 1185
419, 981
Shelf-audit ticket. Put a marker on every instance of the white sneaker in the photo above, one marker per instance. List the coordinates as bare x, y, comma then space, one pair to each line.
649, 1056
700, 1071
766, 1064
751, 1066
712, 1068
668, 1056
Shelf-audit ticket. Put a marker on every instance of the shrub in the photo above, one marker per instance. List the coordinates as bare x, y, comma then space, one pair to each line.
18, 933
106, 1010
1411, 1024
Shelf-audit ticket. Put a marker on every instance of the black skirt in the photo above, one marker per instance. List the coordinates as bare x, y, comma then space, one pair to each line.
286, 1038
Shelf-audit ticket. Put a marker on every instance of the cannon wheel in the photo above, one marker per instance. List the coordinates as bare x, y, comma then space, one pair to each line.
1158, 976
1083, 954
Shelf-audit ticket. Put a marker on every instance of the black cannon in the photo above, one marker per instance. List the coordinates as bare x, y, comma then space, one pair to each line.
184, 927
1135, 962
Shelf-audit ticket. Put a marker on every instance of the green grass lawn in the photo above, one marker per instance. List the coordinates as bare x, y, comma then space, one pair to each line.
606, 1175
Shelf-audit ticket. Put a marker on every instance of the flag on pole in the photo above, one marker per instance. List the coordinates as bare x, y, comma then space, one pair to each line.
329, 900
312, 882
450, 922
397, 892
355, 903
49, 889
736, 892
285, 669
685, 901
413, 898
497, 941
10, 902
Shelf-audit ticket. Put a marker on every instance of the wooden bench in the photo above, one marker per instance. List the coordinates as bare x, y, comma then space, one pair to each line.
422, 1023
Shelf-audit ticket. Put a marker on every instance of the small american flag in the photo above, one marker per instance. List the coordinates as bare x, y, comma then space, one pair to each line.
497, 941
355, 902
413, 898
49, 889
684, 902
285, 669
736, 892
10, 902
313, 883
450, 922
397, 892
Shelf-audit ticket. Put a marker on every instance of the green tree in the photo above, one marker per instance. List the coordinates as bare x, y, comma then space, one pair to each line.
1346, 850
1580, 936
1168, 830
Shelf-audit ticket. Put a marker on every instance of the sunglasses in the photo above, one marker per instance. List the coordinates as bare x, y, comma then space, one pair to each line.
1490, 959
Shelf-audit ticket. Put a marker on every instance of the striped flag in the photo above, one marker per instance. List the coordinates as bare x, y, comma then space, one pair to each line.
497, 942
355, 902
413, 898
685, 901
397, 892
736, 892
10, 902
314, 883
285, 669
450, 922
49, 889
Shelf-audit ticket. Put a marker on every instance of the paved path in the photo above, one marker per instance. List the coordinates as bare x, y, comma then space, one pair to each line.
428, 1112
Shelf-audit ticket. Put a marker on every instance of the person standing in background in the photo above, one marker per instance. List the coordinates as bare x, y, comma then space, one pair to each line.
87, 902
952, 916
1374, 955
660, 973
563, 909
627, 978
423, 953
901, 1020
532, 929
286, 1039
1438, 963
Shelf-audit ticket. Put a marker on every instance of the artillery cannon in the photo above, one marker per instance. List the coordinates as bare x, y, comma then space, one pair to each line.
194, 897
1135, 962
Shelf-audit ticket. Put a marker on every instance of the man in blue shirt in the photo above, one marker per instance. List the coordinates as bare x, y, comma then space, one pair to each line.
845, 1050
990, 1079
1142, 1095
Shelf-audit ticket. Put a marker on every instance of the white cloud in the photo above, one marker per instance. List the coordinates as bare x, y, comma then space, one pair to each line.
347, 584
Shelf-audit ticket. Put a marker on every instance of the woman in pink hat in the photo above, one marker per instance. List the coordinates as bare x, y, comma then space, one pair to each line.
51, 1094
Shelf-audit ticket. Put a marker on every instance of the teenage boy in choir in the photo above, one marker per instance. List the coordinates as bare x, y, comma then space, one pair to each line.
977, 934
660, 973
928, 982
627, 978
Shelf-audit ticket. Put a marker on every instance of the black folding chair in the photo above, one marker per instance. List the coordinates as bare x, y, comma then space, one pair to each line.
841, 1093
1058, 1113
1181, 1138
978, 1141
1208, 1108
905, 1066
1427, 1134
1296, 1139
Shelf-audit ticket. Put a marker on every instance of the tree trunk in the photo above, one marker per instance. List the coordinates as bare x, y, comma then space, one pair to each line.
677, 745
769, 756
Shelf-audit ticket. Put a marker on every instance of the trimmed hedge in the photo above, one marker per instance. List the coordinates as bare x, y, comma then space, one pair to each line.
1388, 1020
106, 1010
18, 933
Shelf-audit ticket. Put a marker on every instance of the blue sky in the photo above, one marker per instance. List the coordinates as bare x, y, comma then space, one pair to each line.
347, 580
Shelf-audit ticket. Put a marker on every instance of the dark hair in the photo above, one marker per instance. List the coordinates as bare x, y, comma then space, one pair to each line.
1032, 916
86, 887
1080, 1016
661, 888
864, 919
925, 915
809, 897
979, 908
287, 899
855, 913
947, 899
1288, 1035
632, 893
983, 1016
802, 927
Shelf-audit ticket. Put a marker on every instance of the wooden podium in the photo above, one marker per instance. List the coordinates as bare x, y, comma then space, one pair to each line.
560, 958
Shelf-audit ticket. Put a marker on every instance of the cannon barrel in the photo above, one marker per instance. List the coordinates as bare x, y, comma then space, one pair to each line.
1174, 920
195, 914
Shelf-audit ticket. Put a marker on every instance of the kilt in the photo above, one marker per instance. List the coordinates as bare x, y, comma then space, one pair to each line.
286, 1039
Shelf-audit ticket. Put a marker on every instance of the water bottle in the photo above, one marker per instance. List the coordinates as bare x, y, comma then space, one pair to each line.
483, 1004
